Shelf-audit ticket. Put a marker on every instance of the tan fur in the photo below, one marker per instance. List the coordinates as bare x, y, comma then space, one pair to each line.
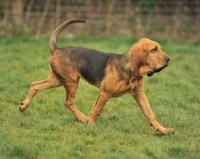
122, 74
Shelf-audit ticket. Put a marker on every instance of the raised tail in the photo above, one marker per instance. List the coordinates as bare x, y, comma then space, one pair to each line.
59, 29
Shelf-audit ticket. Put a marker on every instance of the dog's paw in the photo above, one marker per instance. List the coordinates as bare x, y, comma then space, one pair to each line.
167, 131
170, 131
21, 109
91, 122
83, 118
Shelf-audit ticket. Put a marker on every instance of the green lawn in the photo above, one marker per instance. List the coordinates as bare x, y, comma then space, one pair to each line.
48, 130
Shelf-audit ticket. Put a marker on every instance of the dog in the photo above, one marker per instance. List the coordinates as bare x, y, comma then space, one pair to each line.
114, 75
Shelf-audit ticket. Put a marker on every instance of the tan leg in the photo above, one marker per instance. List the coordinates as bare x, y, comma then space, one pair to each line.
50, 82
98, 107
69, 101
145, 107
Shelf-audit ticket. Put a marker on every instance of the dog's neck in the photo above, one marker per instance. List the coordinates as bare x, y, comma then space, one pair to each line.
125, 61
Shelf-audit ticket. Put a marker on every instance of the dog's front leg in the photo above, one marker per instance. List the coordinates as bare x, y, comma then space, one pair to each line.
98, 107
145, 107
143, 103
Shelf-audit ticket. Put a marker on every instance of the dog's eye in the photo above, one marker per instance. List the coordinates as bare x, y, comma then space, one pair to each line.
154, 49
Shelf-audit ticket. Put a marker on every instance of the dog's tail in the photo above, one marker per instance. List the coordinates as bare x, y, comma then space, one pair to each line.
59, 29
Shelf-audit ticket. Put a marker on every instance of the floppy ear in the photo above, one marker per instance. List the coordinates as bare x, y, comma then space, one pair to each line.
136, 60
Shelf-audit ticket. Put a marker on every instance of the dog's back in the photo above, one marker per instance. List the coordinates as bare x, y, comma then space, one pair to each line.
90, 63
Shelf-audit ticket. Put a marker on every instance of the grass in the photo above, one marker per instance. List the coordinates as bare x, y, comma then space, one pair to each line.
49, 130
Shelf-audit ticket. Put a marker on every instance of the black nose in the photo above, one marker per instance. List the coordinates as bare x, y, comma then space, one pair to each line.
167, 58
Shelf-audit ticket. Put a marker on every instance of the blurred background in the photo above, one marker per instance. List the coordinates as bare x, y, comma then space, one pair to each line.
175, 19
47, 130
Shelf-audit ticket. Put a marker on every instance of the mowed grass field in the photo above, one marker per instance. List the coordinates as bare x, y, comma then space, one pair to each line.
48, 130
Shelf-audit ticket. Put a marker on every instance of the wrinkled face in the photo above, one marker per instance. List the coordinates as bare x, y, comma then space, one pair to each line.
148, 53
155, 58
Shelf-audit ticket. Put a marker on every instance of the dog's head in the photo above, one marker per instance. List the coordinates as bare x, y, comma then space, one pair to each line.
146, 57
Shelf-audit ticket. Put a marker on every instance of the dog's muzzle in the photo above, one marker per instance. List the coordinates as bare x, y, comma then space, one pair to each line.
159, 69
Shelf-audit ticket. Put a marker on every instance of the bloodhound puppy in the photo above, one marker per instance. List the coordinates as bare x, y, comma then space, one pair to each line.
114, 75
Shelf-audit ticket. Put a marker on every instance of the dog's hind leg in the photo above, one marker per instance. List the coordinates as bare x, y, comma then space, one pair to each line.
70, 88
50, 82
